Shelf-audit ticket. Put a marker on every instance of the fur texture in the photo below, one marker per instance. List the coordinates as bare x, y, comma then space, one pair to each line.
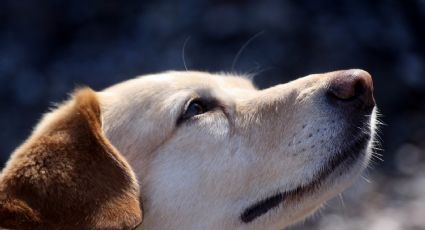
68, 175
244, 159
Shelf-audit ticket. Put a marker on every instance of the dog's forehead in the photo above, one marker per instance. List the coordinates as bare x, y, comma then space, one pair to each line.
177, 80
222, 80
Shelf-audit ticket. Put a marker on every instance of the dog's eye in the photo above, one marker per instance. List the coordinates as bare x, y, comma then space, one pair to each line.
194, 108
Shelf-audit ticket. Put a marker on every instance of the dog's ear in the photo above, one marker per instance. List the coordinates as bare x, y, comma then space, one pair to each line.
67, 175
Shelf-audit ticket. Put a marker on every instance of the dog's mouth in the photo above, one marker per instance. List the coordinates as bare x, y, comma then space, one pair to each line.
342, 160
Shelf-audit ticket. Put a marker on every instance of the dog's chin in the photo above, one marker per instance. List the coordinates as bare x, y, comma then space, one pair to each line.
336, 174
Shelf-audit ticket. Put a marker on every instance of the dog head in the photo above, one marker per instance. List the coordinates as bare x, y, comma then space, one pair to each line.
209, 151
212, 151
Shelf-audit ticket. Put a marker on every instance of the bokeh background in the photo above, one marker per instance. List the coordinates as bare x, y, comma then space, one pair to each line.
49, 47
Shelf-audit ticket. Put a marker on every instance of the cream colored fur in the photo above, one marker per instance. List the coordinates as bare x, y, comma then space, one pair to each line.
204, 173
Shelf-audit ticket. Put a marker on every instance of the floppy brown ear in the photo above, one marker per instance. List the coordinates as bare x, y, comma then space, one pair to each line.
67, 175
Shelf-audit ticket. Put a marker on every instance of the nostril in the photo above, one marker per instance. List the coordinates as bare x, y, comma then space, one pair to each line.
347, 88
360, 87
342, 89
352, 85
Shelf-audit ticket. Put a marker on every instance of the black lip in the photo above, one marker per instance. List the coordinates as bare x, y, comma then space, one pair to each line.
346, 158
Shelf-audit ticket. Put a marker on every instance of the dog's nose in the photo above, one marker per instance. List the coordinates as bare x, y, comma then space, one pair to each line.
352, 88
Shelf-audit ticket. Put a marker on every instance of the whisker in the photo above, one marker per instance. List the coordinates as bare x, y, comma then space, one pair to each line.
366, 179
253, 74
341, 199
377, 158
372, 163
378, 149
184, 53
238, 54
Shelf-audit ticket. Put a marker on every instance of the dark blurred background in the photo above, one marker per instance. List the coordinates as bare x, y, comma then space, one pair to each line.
49, 47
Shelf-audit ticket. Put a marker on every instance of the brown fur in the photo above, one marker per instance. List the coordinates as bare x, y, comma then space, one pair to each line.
67, 175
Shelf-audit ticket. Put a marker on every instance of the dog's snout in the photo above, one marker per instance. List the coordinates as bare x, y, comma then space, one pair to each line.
352, 88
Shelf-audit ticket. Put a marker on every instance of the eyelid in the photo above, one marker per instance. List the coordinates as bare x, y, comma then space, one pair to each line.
188, 102
181, 118
209, 103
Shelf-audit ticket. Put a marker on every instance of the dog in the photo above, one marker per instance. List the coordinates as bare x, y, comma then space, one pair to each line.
191, 150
